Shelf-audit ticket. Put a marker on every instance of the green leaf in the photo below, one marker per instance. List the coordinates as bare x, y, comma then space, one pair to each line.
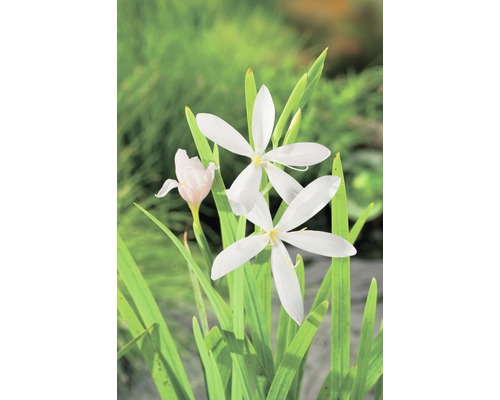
198, 297
295, 353
356, 229
152, 357
293, 130
365, 343
325, 287
250, 95
151, 314
220, 307
213, 378
290, 108
374, 373
124, 350
340, 287
313, 76
217, 345
238, 294
379, 389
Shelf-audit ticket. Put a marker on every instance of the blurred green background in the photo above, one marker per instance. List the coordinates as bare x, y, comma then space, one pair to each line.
173, 53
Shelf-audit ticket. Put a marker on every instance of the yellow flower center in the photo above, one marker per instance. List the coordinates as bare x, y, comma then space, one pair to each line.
273, 235
256, 159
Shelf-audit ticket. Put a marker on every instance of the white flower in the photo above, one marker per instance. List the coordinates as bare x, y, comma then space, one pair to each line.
305, 205
243, 191
195, 181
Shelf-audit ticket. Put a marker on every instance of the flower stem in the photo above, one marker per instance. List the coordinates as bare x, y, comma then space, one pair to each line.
198, 298
201, 238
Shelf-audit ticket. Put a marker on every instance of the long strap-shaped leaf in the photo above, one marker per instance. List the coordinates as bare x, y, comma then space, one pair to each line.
374, 373
213, 378
151, 314
341, 285
218, 304
125, 349
325, 287
151, 355
221, 309
365, 343
295, 353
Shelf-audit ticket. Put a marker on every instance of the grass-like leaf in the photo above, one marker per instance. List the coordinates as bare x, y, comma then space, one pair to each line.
250, 95
290, 109
356, 229
313, 76
217, 345
198, 297
220, 307
365, 343
151, 314
295, 353
374, 373
152, 357
340, 288
213, 378
124, 350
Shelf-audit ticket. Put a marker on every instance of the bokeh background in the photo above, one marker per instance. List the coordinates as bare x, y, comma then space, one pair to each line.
173, 53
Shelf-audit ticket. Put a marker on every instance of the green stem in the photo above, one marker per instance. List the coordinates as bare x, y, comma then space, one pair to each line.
201, 238
198, 297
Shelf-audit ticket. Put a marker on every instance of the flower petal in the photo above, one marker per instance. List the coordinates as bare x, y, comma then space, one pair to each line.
309, 202
220, 132
262, 119
299, 154
322, 243
286, 186
237, 254
243, 192
167, 187
181, 164
287, 282
260, 215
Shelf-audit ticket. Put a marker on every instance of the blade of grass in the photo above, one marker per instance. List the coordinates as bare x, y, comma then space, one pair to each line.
313, 76
295, 353
340, 287
213, 380
250, 95
150, 353
151, 314
365, 343
221, 309
216, 344
293, 130
198, 297
124, 350
374, 373
379, 389
237, 303
290, 108
292, 331
356, 229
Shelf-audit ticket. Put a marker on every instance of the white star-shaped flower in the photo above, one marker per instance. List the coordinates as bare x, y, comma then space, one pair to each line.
305, 205
243, 192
